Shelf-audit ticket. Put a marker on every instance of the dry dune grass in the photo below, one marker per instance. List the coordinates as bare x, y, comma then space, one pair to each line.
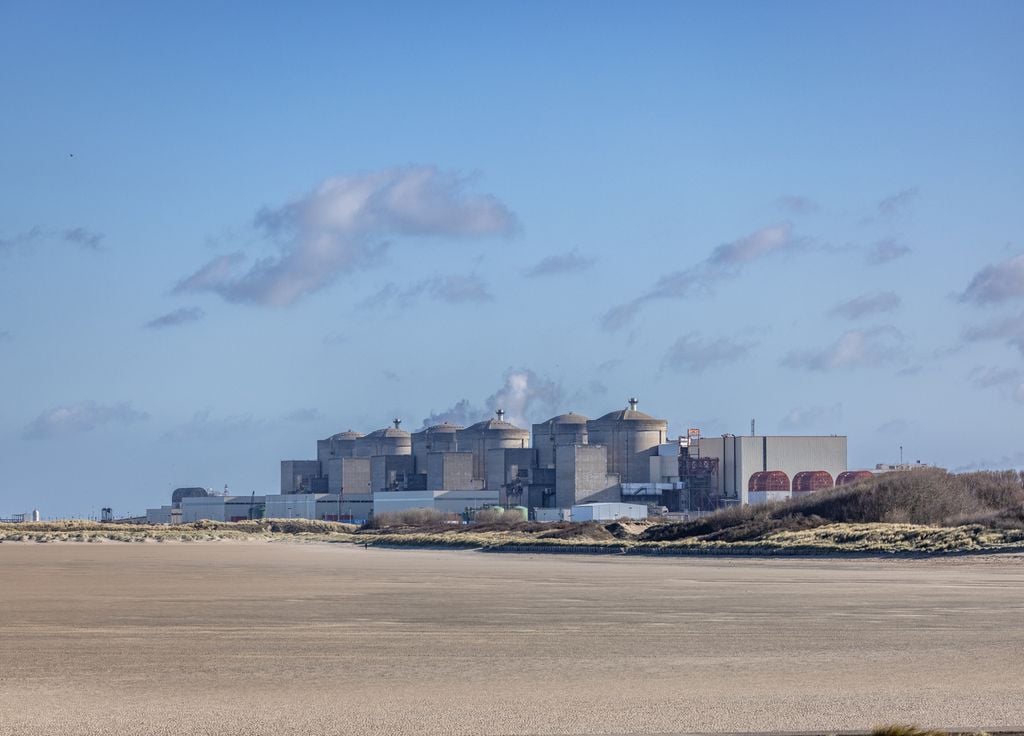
926, 511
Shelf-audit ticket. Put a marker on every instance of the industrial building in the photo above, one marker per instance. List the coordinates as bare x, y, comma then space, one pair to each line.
623, 457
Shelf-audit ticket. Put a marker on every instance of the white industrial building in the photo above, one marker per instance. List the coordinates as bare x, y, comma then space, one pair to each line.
608, 511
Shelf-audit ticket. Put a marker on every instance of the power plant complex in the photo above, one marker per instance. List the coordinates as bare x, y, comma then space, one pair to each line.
621, 464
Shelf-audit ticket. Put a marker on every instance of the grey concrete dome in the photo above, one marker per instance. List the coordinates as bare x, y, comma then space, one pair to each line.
570, 418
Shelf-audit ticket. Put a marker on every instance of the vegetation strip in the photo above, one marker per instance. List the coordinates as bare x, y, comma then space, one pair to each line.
920, 512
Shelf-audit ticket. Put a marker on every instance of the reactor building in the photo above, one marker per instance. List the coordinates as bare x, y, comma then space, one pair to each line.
623, 457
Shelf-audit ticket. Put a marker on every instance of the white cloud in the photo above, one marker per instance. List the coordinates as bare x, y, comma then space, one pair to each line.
878, 302
898, 203
177, 317
1006, 329
885, 251
853, 349
451, 289
997, 283
805, 418
725, 261
84, 416
796, 204
560, 264
81, 236
1008, 381
339, 227
203, 426
691, 353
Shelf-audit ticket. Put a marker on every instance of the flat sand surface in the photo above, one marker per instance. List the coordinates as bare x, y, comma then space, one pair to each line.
273, 638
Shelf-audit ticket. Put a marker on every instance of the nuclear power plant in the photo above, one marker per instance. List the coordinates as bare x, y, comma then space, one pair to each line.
624, 461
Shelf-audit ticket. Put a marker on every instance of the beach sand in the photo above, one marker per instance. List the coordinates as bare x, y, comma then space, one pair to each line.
279, 638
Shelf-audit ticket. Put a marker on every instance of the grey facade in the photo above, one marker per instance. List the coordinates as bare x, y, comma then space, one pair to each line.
349, 475
297, 475
438, 438
509, 471
581, 476
336, 446
742, 456
451, 471
391, 472
565, 429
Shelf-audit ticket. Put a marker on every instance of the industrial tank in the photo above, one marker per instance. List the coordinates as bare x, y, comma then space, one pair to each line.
565, 429
387, 441
438, 438
810, 481
853, 476
631, 438
338, 445
490, 434
768, 481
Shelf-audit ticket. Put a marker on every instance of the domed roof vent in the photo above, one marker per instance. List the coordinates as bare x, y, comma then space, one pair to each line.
768, 480
628, 415
443, 428
490, 425
810, 481
570, 418
389, 432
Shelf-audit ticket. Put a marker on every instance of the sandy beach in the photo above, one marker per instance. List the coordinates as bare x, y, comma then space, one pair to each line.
271, 638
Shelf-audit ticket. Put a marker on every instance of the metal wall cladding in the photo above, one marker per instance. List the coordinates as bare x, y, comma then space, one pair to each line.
768, 480
809, 481
853, 476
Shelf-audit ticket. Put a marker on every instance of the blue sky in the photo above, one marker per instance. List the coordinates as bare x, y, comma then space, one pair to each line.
227, 231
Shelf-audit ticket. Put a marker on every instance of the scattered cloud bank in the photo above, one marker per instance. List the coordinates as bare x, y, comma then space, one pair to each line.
692, 353
560, 264
1013, 460
879, 302
896, 204
1009, 330
892, 427
203, 426
796, 204
340, 227
1008, 381
335, 339
804, 418
725, 261
177, 317
886, 250
524, 395
80, 236
450, 289
84, 416
854, 349
304, 416
997, 283
989, 377
83, 237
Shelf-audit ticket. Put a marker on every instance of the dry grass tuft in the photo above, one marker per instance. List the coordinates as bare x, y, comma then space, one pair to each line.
904, 730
